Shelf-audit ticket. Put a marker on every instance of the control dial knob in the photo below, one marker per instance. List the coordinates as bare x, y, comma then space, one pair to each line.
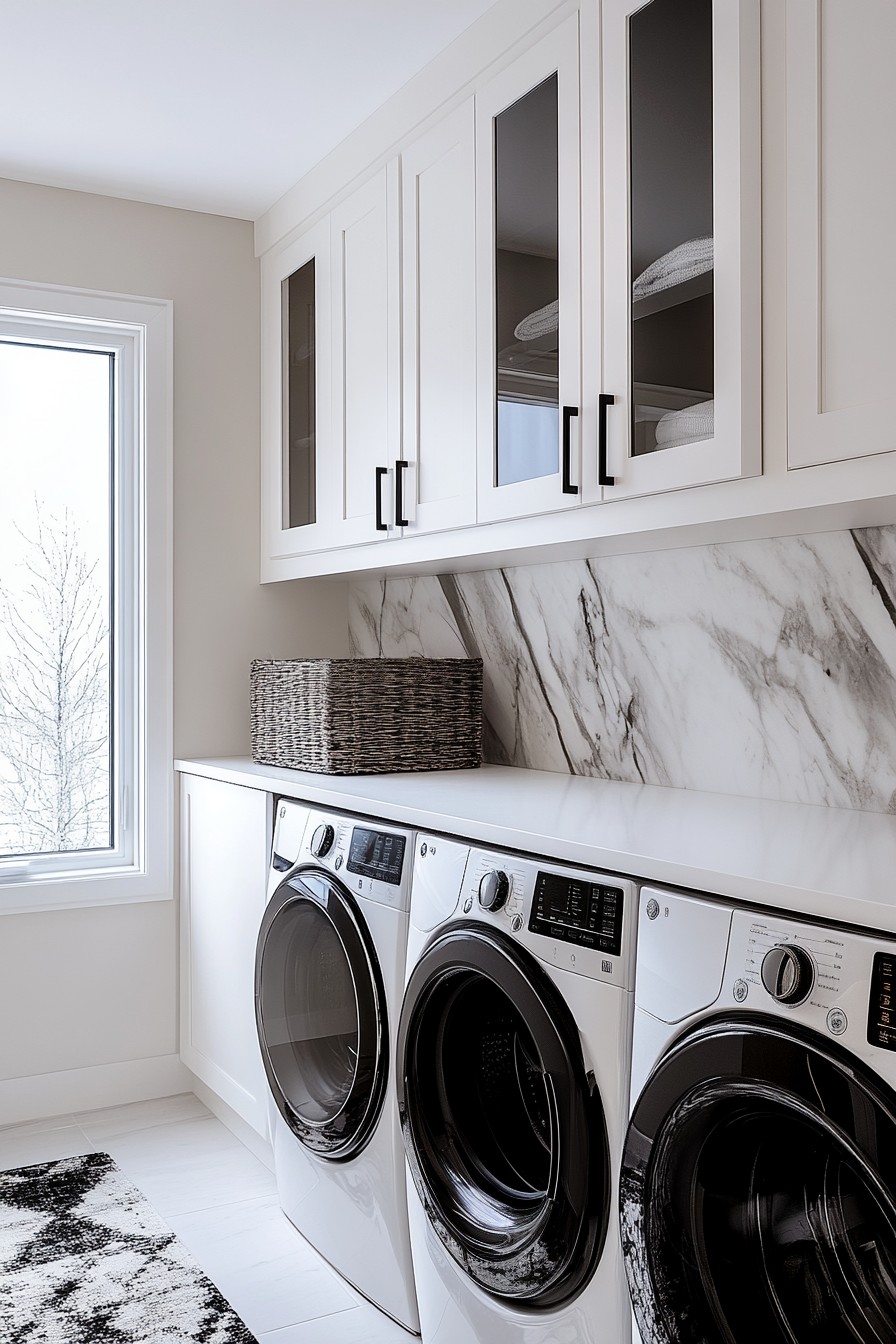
788, 973
493, 890
322, 840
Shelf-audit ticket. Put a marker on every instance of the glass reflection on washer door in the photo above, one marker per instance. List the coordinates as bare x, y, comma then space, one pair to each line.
310, 1015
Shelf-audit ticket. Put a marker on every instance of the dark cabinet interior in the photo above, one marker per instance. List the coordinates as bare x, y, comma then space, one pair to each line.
671, 167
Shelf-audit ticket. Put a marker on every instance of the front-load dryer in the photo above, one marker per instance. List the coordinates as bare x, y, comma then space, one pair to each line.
329, 975
758, 1194
512, 1075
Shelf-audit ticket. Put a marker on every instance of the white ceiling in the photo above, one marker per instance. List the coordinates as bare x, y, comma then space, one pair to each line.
214, 105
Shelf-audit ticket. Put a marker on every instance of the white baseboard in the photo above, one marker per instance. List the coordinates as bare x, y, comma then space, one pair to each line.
235, 1123
48, 1094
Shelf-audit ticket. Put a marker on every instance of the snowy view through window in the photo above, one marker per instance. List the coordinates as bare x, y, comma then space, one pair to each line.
55, 621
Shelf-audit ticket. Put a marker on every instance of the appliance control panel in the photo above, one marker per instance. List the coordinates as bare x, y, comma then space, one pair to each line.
578, 911
369, 858
378, 854
574, 919
839, 982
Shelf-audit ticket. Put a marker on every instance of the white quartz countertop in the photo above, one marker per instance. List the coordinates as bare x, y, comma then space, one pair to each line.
826, 862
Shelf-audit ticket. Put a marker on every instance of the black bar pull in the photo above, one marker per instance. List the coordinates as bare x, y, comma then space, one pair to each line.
400, 520
381, 525
568, 487
604, 400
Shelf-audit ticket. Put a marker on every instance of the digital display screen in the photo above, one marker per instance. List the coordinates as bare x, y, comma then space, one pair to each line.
882, 1002
577, 911
376, 854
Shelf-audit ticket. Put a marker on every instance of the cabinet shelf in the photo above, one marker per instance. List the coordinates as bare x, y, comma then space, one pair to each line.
695, 288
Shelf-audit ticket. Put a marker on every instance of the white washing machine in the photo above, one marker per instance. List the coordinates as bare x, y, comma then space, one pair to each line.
758, 1196
512, 1077
329, 974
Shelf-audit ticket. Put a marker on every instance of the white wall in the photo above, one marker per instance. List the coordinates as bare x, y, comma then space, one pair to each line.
88, 989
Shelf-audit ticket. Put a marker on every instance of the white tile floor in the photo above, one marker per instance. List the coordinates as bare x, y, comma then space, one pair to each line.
222, 1203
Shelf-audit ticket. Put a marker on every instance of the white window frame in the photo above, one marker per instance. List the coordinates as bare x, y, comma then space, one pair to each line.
139, 332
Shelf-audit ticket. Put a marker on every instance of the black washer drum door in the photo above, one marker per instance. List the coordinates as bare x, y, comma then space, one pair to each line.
320, 1010
758, 1192
504, 1132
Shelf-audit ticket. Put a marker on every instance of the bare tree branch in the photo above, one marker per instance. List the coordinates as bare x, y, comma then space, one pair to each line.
54, 698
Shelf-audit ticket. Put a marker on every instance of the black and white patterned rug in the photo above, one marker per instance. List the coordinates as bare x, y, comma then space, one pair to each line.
84, 1259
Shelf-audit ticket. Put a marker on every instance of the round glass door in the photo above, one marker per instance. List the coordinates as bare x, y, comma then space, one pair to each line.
320, 1012
505, 1137
758, 1194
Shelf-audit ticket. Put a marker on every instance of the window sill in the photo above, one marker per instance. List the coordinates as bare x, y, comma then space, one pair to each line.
72, 891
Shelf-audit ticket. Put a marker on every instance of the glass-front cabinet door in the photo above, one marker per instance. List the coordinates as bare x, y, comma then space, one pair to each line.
527, 194
680, 399
296, 398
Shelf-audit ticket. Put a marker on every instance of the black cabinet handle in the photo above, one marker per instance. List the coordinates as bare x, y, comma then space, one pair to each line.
604, 400
400, 520
568, 487
381, 525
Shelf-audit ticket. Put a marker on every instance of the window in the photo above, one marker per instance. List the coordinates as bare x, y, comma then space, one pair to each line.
85, 565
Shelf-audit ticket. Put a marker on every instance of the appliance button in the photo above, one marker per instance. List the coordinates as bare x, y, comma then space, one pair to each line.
468, 905
493, 890
653, 908
516, 923
338, 864
322, 840
837, 1022
788, 973
741, 990
423, 850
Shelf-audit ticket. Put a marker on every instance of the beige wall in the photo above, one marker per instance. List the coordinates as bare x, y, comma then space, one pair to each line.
107, 978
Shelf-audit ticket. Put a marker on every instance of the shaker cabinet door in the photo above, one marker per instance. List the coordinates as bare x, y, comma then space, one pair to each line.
681, 230
528, 281
841, 204
438, 182
364, 243
297, 444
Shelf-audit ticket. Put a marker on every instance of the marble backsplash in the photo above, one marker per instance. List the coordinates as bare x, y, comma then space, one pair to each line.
764, 668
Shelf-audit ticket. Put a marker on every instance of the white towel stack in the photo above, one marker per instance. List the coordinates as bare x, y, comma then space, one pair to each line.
688, 425
682, 263
540, 323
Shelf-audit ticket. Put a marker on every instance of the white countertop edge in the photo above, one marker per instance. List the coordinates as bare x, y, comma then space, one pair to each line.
827, 863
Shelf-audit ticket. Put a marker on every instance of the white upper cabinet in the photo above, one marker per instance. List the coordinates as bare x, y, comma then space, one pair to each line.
530, 322
841, 204
436, 474
365, 252
681, 395
297, 443
528, 281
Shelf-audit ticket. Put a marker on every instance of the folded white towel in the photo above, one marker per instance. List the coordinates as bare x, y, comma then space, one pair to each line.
688, 425
682, 263
539, 323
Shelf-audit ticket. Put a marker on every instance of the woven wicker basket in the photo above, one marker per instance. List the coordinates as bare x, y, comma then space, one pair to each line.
367, 716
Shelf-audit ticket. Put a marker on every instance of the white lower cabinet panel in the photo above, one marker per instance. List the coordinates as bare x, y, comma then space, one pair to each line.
223, 839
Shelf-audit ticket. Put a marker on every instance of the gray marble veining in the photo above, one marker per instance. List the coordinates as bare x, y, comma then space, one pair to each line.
763, 668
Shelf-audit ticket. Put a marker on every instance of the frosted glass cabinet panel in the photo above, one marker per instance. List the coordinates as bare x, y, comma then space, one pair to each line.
841, 202
299, 422
681, 278
527, 286
527, 194
671, 231
297, 443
